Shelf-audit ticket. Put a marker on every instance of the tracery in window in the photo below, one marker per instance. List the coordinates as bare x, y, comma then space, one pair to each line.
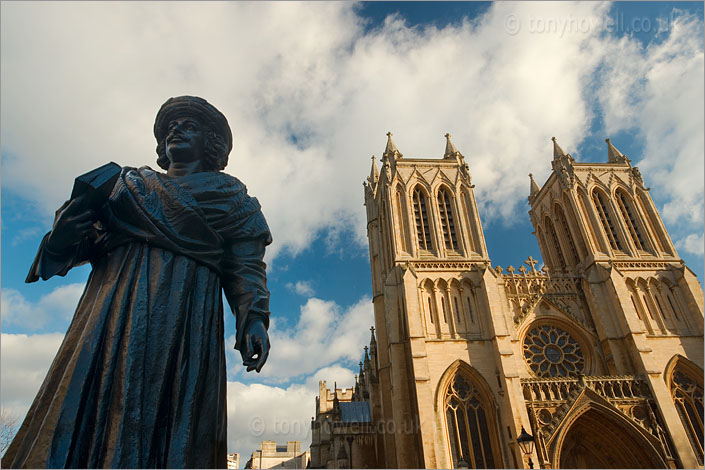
566, 231
550, 351
468, 427
401, 221
606, 220
558, 254
447, 222
423, 229
687, 394
630, 221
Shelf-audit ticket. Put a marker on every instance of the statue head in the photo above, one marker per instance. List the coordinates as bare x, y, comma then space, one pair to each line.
185, 111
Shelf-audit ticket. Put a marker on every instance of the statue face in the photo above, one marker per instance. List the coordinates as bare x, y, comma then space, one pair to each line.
185, 140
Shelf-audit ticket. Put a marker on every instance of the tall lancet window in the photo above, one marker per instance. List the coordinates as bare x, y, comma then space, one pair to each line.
447, 222
687, 393
423, 229
625, 208
606, 220
468, 417
401, 221
553, 239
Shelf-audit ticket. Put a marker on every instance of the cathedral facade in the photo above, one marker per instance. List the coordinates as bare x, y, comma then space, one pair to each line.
598, 355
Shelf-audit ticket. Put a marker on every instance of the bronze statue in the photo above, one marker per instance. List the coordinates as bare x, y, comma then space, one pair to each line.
139, 380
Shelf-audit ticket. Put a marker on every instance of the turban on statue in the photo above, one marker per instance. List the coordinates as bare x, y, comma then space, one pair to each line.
198, 108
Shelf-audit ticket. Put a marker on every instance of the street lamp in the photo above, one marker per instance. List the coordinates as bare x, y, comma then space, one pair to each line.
462, 464
526, 443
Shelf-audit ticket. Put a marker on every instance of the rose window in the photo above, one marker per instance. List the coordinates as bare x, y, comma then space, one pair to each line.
552, 352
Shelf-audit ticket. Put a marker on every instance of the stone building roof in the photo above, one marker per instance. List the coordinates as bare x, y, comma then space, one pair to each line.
355, 412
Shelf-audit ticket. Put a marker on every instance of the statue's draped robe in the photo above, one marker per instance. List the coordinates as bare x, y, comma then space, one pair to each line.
139, 380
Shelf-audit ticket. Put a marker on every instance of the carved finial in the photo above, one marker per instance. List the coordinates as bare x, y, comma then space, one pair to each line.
510, 269
532, 263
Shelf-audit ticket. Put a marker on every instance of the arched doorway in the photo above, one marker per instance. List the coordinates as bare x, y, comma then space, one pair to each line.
598, 440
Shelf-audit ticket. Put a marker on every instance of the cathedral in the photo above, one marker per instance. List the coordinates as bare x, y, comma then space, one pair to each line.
595, 360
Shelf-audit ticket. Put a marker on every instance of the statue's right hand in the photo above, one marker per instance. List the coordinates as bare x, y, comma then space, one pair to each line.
73, 222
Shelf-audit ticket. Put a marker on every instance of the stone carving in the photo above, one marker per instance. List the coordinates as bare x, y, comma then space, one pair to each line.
139, 380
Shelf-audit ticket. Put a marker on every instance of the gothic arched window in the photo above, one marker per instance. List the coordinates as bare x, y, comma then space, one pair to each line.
560, 216
401, 220
626, 208
447, 222
423, 228
553, 239
468, 416
687, 394
606, 220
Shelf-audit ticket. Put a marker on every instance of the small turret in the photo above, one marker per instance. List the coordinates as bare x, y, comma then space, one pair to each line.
533, 187
373, 342
614, 155
558, 152
391, 149
374, 172
451, 152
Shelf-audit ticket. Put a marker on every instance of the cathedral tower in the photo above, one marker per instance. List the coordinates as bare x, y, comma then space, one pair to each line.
597, 221
599, 354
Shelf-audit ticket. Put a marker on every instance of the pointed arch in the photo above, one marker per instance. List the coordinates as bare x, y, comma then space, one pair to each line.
427, 294
570, 252
470, 304
570, 209
466, 403
588, 217
466, 215
627, 210
443, 308
605, 438
600, 199
402, 223
421, 217
638, 306
456, 304
685, 381
653, 220
448, 225
554, 245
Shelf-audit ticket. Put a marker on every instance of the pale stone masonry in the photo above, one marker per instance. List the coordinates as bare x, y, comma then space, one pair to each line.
271, 455
598, 355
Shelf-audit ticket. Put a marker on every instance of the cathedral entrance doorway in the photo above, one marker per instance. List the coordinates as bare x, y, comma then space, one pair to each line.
595, 440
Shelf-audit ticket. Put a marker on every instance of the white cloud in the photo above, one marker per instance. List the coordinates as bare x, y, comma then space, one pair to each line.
259, 412
658, 91
58, 305
25, 361
301, 288
324, 334
693, 243
313, 99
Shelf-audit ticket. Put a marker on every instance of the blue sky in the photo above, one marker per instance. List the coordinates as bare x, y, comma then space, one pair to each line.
310, 91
